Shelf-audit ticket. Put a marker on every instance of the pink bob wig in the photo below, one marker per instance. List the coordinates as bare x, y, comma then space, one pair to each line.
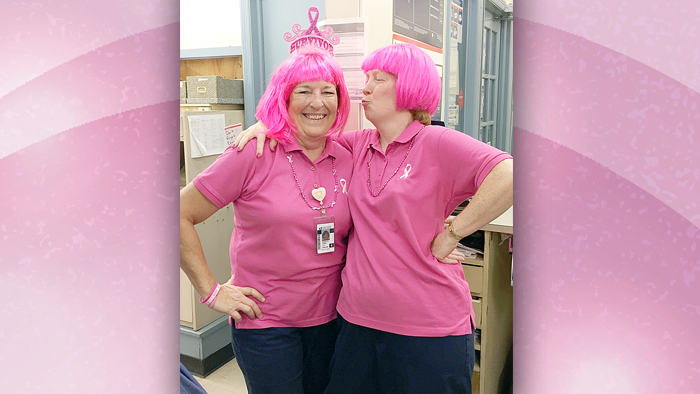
311, 65
417, 79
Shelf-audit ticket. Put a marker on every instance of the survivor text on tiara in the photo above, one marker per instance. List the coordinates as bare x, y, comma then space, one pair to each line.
311, 40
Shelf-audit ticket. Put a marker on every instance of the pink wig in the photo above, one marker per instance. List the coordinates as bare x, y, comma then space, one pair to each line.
306, 66
418, 82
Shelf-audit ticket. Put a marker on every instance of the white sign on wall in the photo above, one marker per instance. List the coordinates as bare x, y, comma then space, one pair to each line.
456, 18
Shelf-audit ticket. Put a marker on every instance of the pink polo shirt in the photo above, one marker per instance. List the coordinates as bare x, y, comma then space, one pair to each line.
392, 282
273, 245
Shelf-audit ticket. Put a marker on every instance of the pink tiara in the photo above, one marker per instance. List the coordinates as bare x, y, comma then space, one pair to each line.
311, 36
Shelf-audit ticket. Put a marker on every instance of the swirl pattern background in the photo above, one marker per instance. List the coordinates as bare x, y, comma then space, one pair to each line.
89, 167
606, 201
607, 219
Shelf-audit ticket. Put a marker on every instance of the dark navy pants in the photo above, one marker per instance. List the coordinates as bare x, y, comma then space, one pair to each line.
285, 359
370, 361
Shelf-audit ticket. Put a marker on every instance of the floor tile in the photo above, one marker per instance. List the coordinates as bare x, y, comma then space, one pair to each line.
228, 379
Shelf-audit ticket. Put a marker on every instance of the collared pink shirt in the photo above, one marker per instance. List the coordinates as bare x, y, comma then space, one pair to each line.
392, 282
273, 245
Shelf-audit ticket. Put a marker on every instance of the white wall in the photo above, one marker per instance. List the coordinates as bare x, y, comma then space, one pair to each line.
380, 14
210, 24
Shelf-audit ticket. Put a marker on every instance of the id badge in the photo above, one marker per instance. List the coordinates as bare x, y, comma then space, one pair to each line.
325, 234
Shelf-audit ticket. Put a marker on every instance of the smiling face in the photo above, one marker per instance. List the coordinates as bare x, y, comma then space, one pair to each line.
313, 107
379, 95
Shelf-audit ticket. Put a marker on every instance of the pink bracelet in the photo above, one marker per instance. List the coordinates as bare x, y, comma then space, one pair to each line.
211, 298
212, 301
210, 294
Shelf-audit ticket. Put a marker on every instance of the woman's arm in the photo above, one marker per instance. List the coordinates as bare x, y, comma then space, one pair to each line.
494, 196
196, 208
257, 131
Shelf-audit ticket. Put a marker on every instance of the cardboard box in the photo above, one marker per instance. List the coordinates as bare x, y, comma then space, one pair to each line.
214, 89
476, 303
183, 92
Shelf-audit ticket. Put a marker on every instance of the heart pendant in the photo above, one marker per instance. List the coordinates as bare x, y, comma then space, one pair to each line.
319, 194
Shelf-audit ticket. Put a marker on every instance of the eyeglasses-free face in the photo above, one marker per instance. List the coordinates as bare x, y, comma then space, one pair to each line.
379, 94
313, 107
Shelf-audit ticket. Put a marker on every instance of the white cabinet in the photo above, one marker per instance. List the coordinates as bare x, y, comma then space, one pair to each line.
215, 232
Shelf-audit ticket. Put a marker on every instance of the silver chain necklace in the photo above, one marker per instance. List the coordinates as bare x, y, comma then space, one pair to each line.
371, 154
335, 190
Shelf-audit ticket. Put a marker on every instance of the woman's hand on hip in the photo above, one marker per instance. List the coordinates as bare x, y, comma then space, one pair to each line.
444, 248
232, 300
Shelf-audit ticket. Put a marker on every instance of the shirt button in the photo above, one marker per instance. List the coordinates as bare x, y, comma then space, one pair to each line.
315, 185
313, 168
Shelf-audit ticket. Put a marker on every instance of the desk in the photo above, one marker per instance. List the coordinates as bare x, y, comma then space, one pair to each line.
489, 281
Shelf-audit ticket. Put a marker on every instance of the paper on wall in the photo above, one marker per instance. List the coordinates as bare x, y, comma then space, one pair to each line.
351, 50
207, 135
232, 132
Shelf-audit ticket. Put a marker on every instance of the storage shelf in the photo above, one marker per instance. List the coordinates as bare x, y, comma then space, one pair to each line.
478, 260
489, 282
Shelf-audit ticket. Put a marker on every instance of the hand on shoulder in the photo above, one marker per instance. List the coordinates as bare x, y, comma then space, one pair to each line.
256, 131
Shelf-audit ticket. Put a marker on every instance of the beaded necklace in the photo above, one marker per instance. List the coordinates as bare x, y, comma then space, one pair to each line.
369, 161
335, 191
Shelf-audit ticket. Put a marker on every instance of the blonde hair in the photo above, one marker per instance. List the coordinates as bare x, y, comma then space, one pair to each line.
421, 115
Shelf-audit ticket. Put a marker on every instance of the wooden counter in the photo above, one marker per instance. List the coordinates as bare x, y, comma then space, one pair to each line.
492, 297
